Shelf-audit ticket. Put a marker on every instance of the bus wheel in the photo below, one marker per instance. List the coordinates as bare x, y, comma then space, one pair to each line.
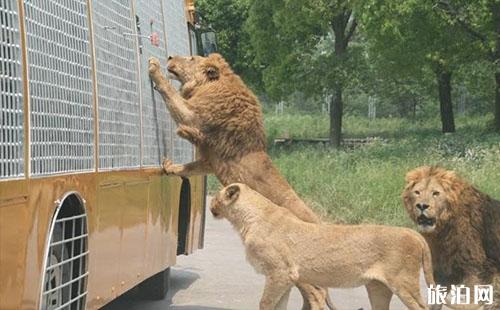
156, 287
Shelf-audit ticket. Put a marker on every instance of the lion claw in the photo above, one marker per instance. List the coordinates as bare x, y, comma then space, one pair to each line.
154, 65
168, 166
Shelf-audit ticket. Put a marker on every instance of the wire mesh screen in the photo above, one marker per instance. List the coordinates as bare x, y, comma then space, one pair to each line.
117, 84
178, 44
62, 137
11, 103
157, 123
66, 270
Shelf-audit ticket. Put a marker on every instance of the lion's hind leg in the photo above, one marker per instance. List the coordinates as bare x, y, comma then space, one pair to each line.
408, 290
276, 287
314, 297
379, 294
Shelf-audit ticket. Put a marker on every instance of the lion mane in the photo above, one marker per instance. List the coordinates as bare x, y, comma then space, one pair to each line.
466, 244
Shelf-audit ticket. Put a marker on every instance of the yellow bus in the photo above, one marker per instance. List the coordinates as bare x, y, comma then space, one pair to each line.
85, 210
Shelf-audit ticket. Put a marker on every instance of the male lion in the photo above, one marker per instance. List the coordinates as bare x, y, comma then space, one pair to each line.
218, 113
286, 250
460, 223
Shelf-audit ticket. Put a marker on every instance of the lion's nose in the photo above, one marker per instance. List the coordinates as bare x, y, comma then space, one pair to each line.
169, 57
422, 206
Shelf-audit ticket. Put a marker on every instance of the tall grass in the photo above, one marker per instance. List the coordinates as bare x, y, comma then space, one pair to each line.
365, 184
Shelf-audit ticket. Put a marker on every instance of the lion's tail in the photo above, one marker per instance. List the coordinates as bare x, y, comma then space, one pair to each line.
427, 263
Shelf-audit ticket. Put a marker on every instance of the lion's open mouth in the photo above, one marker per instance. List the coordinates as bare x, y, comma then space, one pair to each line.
426, 222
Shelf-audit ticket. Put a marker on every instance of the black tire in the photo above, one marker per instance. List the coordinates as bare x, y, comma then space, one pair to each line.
156, 287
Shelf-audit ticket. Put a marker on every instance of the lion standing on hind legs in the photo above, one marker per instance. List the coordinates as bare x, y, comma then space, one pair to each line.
217, 112
461, 225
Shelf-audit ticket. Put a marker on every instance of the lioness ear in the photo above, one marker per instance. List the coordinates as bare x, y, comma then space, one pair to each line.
232, 193
212, 72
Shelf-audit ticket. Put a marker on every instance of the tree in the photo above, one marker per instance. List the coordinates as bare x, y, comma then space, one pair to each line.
480, 20
409, 35
226, 18
304, 45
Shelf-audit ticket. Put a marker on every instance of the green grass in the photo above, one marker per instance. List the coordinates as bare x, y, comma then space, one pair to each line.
364, 185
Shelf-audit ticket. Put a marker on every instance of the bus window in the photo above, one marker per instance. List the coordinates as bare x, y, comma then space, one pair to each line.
209, 42
117, 85
11, 100
178, 44
157, 124
60, 84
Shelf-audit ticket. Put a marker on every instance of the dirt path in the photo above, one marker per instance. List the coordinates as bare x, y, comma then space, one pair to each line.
218, 277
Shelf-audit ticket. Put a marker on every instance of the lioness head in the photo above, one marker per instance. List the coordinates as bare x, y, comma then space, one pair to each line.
429, 197
225, 199
189, 69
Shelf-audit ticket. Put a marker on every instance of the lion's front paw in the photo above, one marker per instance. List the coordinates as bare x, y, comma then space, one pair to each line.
189, 133
169, 167
183, 132
154, 65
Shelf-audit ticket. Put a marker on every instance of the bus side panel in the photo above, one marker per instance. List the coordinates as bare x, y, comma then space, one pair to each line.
197, 205
135, 233
134, 222
172, 193
155, 228
15, 225
104, 244
162, 229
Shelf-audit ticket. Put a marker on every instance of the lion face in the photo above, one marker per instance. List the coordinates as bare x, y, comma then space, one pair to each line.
195, 68
224, 200
426, 199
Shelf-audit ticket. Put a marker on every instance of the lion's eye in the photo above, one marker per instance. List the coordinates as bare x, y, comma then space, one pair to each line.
192, 58
435, 193
417, 193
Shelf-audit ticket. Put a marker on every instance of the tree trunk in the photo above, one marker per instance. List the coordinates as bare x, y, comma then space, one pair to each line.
445, 103
343, 33
497, 102
336, 111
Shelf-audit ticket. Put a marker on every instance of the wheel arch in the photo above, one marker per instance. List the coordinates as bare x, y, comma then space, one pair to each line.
69, 203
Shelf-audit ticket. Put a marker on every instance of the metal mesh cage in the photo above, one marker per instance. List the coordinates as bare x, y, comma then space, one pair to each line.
11, 103
117, 84
62, 137
66, 267
178, 44
156, 121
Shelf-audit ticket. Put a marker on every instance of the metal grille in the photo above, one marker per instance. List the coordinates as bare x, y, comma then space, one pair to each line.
11, 103
117, 84
157, 123
62, 137
66, 270
178, 44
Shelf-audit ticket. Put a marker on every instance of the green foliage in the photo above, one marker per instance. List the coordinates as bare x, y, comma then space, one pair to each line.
294, 43
282, 48
227, 18
365, 184
477, 19
410, 34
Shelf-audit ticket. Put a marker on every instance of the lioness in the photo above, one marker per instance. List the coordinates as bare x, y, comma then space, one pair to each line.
286, 250
217, 112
